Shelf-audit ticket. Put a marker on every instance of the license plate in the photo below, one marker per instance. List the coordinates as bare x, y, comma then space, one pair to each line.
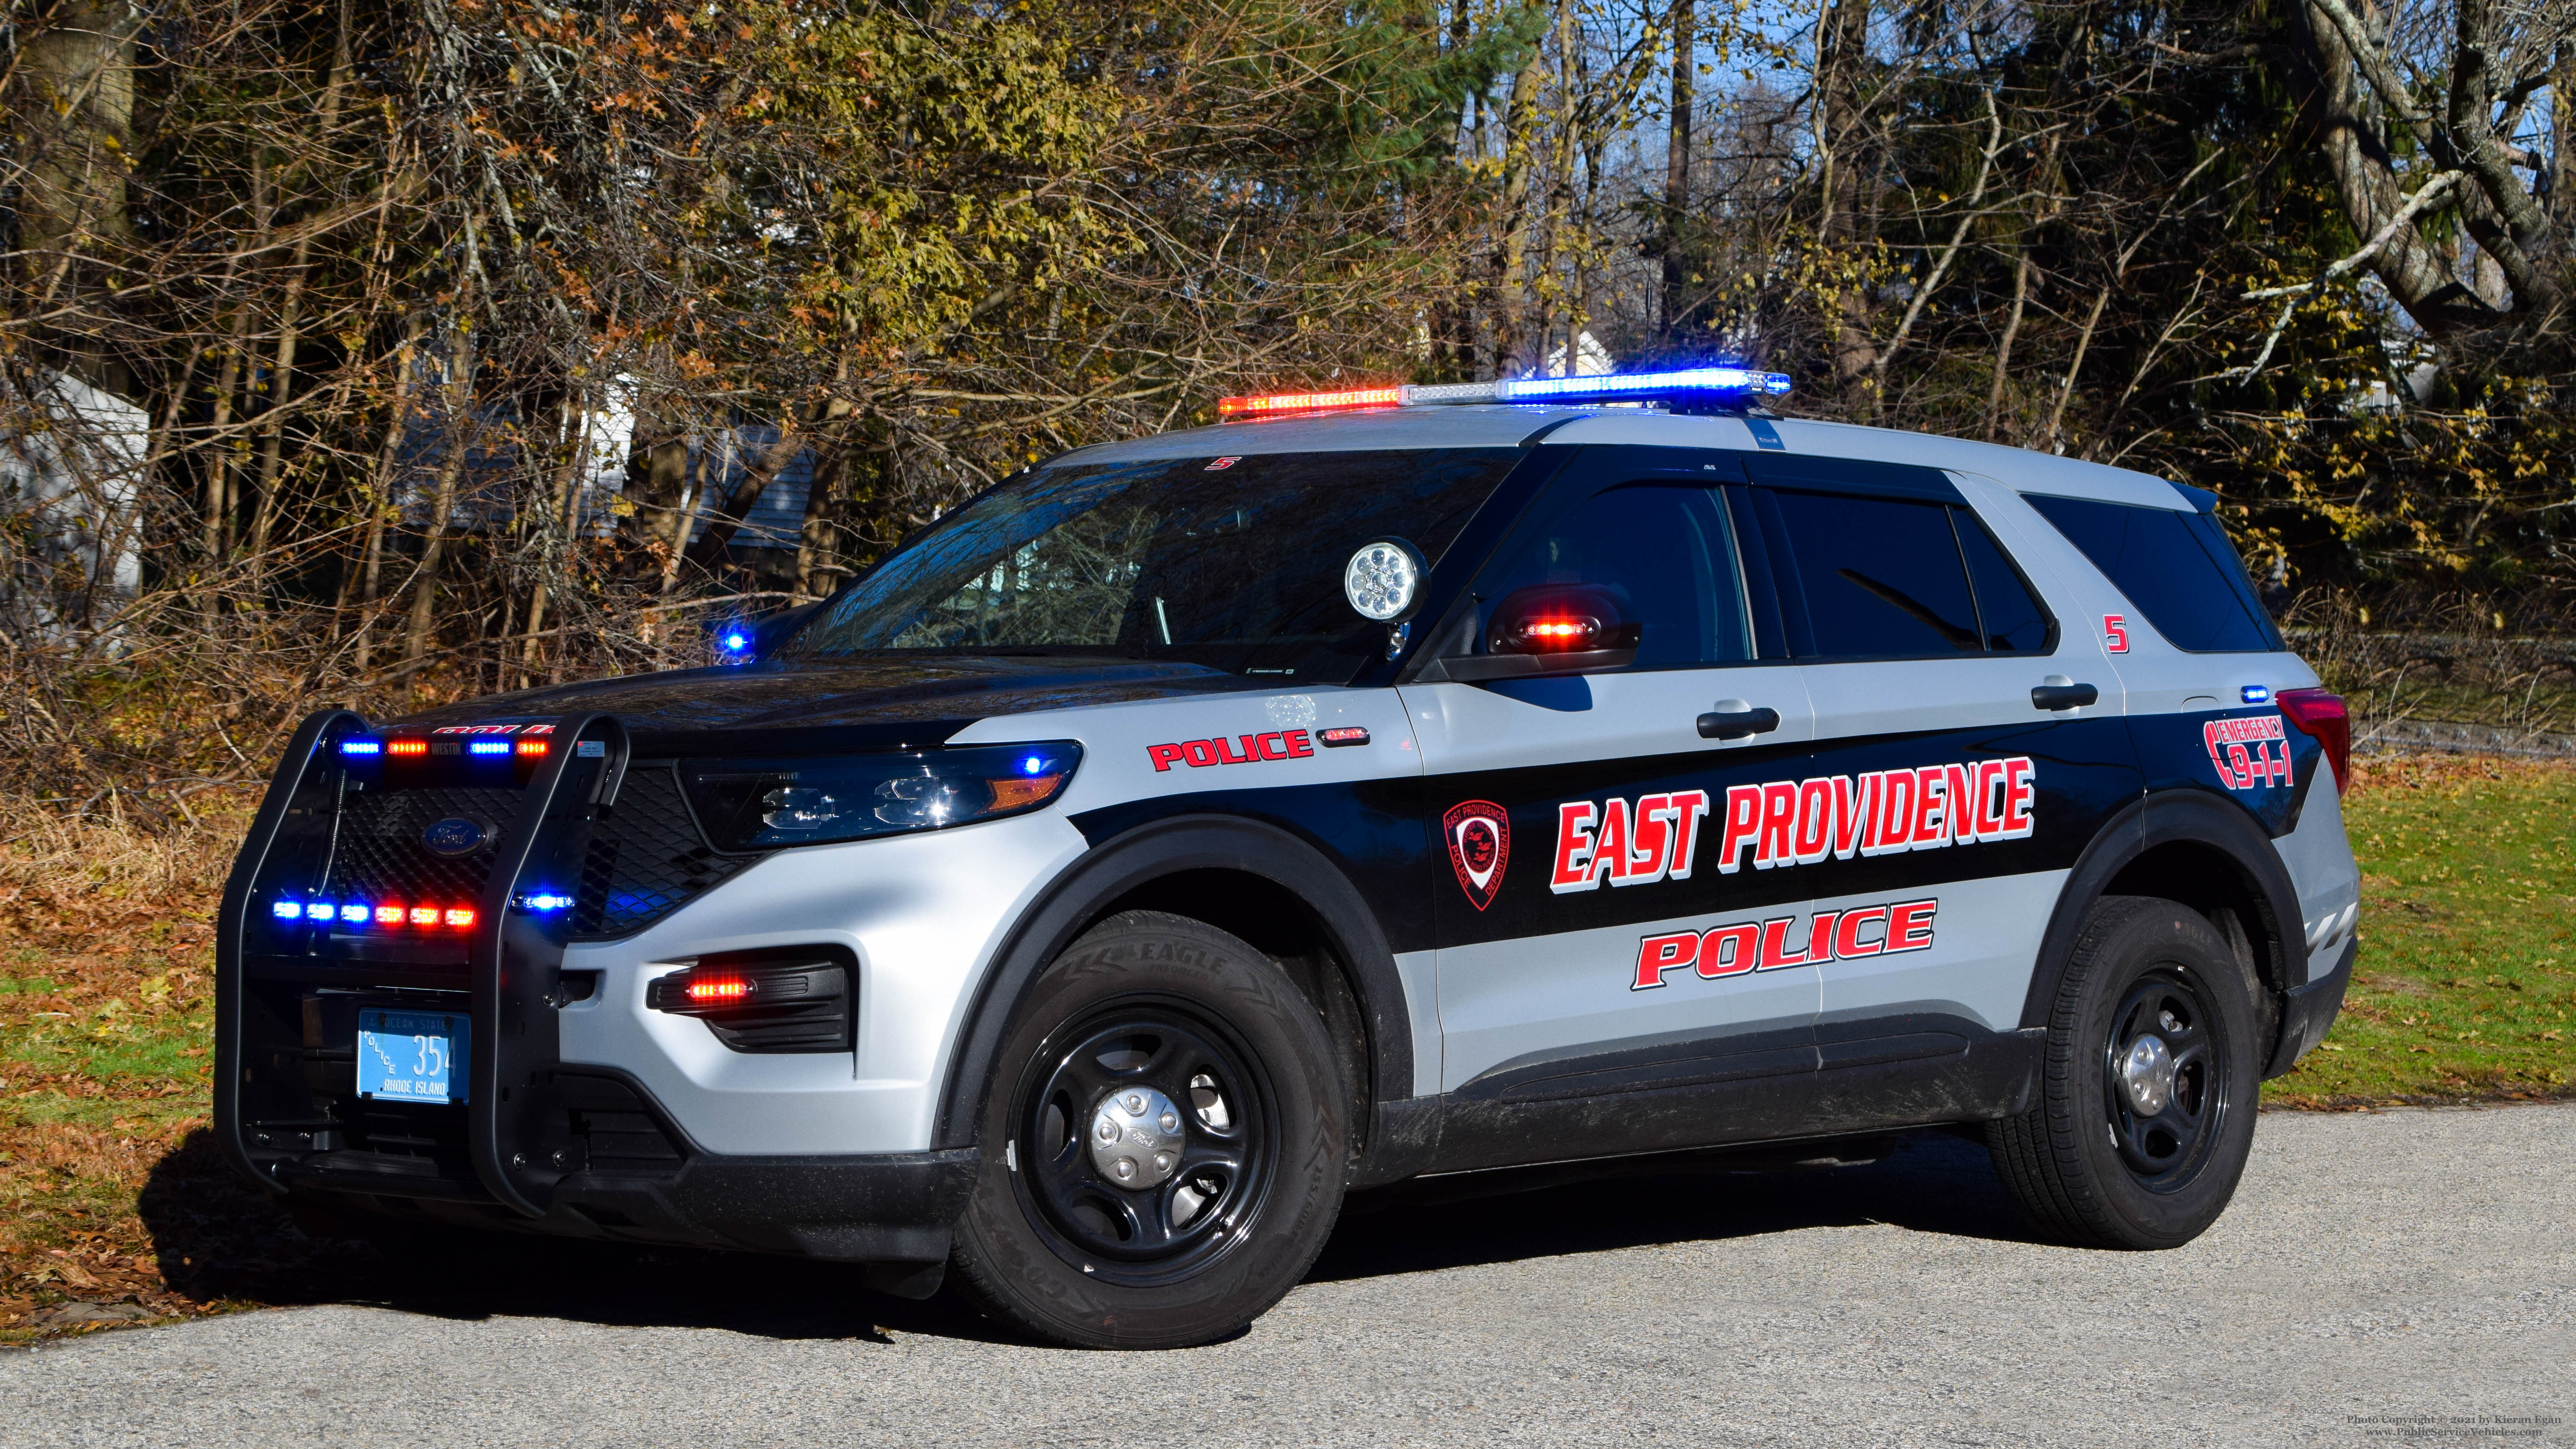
411, 1056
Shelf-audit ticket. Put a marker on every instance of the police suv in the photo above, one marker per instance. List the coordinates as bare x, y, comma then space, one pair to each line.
1190, 831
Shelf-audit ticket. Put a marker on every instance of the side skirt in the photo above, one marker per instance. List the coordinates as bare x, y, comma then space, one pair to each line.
1920, 1079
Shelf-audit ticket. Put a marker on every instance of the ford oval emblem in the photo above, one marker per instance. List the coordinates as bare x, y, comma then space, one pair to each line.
455, 835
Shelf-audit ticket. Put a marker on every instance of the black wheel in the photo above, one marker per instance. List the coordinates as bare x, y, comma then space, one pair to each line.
2146, 1110
1163, 1147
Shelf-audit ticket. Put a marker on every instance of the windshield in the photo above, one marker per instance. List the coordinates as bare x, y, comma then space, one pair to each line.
1232, 563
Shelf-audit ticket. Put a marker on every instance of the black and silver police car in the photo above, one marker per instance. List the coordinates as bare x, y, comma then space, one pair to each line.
1412, 781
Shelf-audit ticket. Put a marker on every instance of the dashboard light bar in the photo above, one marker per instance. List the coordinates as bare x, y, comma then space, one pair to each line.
406, 747
532, 747
362, 747
488, 747
359, 913
1681, 384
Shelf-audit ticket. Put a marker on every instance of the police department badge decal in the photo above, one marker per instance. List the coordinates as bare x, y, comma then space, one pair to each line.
1480, 845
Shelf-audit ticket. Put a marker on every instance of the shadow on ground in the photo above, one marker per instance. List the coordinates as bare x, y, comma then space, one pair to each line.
219, 1240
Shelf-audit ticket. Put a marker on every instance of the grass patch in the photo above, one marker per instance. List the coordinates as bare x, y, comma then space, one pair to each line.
2466, 980
114, 1201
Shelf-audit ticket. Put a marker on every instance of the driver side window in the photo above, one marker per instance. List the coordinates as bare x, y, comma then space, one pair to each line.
1664, 553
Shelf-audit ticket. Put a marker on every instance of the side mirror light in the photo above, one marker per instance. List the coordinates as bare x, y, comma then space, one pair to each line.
1549, 629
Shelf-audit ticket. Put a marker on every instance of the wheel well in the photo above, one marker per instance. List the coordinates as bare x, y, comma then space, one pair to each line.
1280, 924
2213, 884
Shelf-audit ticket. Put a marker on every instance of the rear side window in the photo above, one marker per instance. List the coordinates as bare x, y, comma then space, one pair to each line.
1889, 578
2007, 611
2178, 569
1880, 577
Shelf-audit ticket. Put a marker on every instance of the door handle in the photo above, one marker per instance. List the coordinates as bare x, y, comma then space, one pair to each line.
1733, 719
2062, 696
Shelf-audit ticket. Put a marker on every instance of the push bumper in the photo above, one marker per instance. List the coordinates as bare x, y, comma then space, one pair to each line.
531, 1143
2309, 1011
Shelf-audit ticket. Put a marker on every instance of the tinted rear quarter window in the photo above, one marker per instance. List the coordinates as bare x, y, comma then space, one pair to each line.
2006, 609
1880, 577
2177, 569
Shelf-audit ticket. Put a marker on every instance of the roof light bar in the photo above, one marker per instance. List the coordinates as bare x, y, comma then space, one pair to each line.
1690, 382
1687, 383
1307, 402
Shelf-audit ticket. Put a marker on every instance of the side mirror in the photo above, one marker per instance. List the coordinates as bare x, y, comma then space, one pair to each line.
1549, 629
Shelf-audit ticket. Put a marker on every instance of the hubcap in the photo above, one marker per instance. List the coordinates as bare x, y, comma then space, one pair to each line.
2147, 1070
1144, 1141
2165, 1084
1136, 1137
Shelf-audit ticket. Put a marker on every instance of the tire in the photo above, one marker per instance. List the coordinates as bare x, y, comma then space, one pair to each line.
2152, 997
1208, 1226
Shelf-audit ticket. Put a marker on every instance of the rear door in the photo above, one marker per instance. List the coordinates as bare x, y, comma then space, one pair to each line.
1923, 645
1604, 930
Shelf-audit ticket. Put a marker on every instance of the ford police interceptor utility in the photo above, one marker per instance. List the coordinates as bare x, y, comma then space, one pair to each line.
1190, 831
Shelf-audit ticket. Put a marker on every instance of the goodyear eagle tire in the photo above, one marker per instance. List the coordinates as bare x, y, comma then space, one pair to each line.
1163, 1147
2147, 1096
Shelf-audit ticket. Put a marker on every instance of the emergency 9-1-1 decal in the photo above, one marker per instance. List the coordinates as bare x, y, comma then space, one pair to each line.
1794, 822
1779, 942
2248, 753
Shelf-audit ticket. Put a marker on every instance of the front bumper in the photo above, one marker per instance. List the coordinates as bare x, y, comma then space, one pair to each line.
877, 1208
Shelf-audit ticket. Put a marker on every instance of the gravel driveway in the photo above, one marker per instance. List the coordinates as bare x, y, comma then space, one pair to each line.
2395, 1278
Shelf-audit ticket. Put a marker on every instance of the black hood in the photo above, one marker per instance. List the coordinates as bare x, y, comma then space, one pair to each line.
900, 700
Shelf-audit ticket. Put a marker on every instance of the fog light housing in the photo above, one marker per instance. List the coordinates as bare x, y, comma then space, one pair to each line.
798, 1000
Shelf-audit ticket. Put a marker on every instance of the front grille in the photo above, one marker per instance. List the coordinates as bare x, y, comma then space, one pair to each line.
646, 858
380, 856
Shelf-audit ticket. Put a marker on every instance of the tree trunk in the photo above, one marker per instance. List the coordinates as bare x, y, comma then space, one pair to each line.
76, 135
451, 469
2419, 276
272, 447
1511, 296
1681, 281
1842, 63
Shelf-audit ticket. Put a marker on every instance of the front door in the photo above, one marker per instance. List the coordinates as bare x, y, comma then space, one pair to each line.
1609, 927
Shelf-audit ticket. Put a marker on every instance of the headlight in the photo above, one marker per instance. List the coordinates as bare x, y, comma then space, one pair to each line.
763, 804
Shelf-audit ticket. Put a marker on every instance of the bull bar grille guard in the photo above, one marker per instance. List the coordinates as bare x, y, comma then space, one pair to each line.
519, 1140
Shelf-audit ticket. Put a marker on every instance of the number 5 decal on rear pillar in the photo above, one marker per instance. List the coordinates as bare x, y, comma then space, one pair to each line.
2115, 633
